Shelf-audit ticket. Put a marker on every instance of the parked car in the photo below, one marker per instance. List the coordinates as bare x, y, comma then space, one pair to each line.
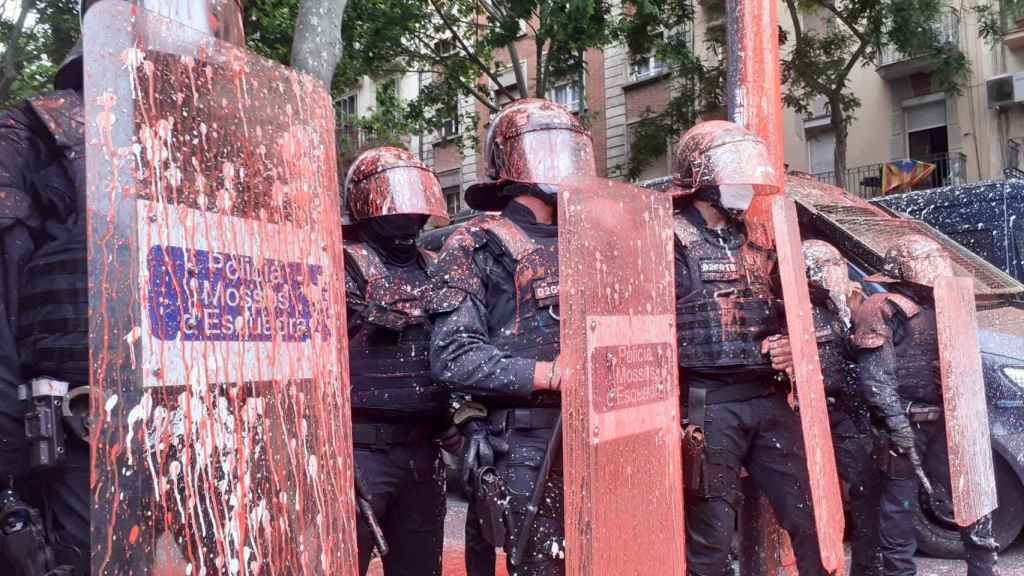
987, 218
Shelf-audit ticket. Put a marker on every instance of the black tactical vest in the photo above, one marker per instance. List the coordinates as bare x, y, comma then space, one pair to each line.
389, 361
915, 343
836, 370
731, 308
53, 307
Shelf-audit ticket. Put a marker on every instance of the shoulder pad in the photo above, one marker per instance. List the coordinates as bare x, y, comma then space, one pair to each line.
686, 232
871, 322
516, 243
906, 305
365, 261
759, 234
429, 257
452, 274
63, 115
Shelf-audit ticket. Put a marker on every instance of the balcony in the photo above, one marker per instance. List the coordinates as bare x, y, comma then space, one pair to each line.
1012, 21
866, 181
893, 64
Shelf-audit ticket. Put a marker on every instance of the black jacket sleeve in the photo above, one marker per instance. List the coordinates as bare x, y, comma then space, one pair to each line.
876, 368
461, 353
22, 155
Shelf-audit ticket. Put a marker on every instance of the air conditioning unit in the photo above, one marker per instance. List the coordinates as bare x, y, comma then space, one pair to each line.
1005, 89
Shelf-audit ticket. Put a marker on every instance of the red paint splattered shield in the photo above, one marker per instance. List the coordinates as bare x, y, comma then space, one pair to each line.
221, 440
620, 405
779, 213
972, 476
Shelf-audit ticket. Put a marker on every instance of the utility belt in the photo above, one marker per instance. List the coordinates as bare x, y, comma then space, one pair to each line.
505, 419
382, 435
54, 411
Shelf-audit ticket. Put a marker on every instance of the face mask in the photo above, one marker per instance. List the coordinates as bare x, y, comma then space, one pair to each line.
395, 235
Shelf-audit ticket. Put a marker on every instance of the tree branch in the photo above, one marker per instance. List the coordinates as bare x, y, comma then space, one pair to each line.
851, 26
800, 40
317, 45
517, 69
469, 52
10, 69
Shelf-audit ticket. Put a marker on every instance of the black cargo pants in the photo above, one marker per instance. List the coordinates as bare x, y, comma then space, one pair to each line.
518, 470
406, 485
852, 442
900, 495
762, 435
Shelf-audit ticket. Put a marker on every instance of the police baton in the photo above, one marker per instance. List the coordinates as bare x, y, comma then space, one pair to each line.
554, 446
363, 501
937, 504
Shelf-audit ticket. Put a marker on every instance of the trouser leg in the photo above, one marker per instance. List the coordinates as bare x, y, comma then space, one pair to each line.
858, 471
414, 522
67, 503
518, 469
711, 509
896, 525
778, 464
480, 554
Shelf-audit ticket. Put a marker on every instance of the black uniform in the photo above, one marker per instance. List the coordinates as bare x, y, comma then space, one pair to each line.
851, 438
396, 408
726, 305
44, 295
897, 349
496, 316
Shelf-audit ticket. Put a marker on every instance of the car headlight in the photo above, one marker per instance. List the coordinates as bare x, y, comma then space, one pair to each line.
1015, 374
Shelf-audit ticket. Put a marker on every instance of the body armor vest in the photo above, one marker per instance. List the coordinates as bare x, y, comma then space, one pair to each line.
389, 354
915, 343
532, 329
53, 307
836, 370
730, 308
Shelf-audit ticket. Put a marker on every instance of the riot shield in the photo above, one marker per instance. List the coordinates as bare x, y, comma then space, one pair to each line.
620, 403
221, 437
972, 476
778, 214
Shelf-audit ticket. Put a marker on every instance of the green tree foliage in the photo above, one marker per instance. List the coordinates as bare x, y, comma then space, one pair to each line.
465, 48
35, 37
818, 62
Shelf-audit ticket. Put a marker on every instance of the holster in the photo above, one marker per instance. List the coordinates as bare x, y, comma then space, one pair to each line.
694, 459
489, 500
24, 547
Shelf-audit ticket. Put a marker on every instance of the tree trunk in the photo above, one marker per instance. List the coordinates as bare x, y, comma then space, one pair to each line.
317, 45
837, 118
9, 68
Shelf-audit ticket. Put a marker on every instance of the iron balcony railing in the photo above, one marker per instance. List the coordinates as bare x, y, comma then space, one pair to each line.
947, 28
866, 181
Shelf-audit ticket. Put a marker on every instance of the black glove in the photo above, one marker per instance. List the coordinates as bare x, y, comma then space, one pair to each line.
477, 451
902, 439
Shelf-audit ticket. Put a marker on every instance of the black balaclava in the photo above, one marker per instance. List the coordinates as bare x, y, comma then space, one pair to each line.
545, 192
394, 236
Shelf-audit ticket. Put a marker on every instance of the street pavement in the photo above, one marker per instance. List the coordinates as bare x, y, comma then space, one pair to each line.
1011, 562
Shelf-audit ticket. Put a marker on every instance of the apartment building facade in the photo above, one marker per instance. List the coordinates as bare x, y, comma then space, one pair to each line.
976, 135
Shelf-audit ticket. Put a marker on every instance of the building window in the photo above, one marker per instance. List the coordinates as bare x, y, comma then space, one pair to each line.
347, 106
652, 167
450, 127
642, 66
567, 94
390, 86
445, 46
453, 199
821, 151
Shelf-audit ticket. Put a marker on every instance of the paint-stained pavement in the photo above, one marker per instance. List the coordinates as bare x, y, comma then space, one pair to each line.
1011, 562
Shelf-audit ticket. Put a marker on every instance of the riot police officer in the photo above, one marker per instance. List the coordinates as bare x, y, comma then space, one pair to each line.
496, 327
830, 290
896, 344
731, 352
396, 408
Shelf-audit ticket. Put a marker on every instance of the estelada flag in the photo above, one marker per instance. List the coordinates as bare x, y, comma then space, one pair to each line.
904, 174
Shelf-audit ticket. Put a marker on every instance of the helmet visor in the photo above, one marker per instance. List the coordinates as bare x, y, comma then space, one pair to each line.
547, 156
400, 190
738, 162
